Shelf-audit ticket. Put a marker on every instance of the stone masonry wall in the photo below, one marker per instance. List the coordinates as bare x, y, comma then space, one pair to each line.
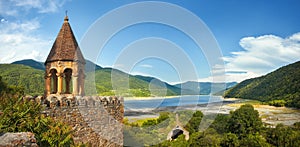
97, 121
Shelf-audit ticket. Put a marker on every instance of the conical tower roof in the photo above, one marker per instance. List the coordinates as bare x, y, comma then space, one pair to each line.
65, 47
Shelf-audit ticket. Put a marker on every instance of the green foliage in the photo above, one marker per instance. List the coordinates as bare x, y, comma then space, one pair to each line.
282, 84
250, 132
194, 123
283, 136
149, 132
110, 81
58, 135
163, 116
150, 122
254, 140
220, 122
20, 115
32, 80
7, 91
230, 140
244, 121
207, 138
277, 103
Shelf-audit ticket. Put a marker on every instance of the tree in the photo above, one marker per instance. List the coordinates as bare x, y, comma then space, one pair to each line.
207, 138
230, 140
283, 136
220, 122
193, 125
244, 121
253, 140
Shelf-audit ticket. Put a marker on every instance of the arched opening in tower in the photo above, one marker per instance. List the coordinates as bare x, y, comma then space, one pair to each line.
67, 80
53, 82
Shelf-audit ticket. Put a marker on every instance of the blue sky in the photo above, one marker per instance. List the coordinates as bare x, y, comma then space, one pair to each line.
255, 37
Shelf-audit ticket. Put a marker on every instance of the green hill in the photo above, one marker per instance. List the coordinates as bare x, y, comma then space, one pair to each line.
280, 87
31, 63
32, 80
138, 86
29, 74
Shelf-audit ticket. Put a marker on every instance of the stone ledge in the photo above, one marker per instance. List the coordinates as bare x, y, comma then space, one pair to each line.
25, 139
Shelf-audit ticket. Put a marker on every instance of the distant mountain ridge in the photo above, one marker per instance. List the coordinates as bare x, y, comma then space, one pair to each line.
31, 63
204, 88
139, 85
281, 85
90, 66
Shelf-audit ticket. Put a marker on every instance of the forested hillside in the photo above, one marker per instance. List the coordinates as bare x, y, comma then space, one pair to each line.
280, 87
30, 79
29, 74
138, 86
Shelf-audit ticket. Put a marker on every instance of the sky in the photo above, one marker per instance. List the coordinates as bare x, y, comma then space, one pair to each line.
253, 37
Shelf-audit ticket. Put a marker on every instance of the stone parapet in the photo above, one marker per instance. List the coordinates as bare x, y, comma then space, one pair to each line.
95, 120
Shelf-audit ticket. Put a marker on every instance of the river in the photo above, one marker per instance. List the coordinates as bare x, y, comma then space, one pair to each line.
149, 104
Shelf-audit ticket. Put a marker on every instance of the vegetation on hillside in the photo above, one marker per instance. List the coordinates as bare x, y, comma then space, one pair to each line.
104, 82
21, 115
278, 88
29, 74
32, 81
242, 127
28, 78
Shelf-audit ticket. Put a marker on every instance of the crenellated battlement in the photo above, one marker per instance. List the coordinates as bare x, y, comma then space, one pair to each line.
68, 100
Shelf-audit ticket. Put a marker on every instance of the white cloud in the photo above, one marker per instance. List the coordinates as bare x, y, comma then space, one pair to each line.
146, 65
262, 55
3, 20
19, 32
140, 73
19, 7
17, 42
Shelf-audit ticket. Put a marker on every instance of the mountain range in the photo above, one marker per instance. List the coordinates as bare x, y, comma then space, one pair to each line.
29, 74
280, 87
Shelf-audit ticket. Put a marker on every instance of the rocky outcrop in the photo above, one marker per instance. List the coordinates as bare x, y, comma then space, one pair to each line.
24, 139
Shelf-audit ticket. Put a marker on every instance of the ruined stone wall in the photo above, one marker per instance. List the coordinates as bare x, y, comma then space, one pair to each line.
95, 120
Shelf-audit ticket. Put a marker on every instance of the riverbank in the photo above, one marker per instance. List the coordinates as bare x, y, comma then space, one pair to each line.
270, 115
149, 98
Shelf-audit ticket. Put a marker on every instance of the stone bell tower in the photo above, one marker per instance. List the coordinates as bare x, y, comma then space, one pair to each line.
64, 73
